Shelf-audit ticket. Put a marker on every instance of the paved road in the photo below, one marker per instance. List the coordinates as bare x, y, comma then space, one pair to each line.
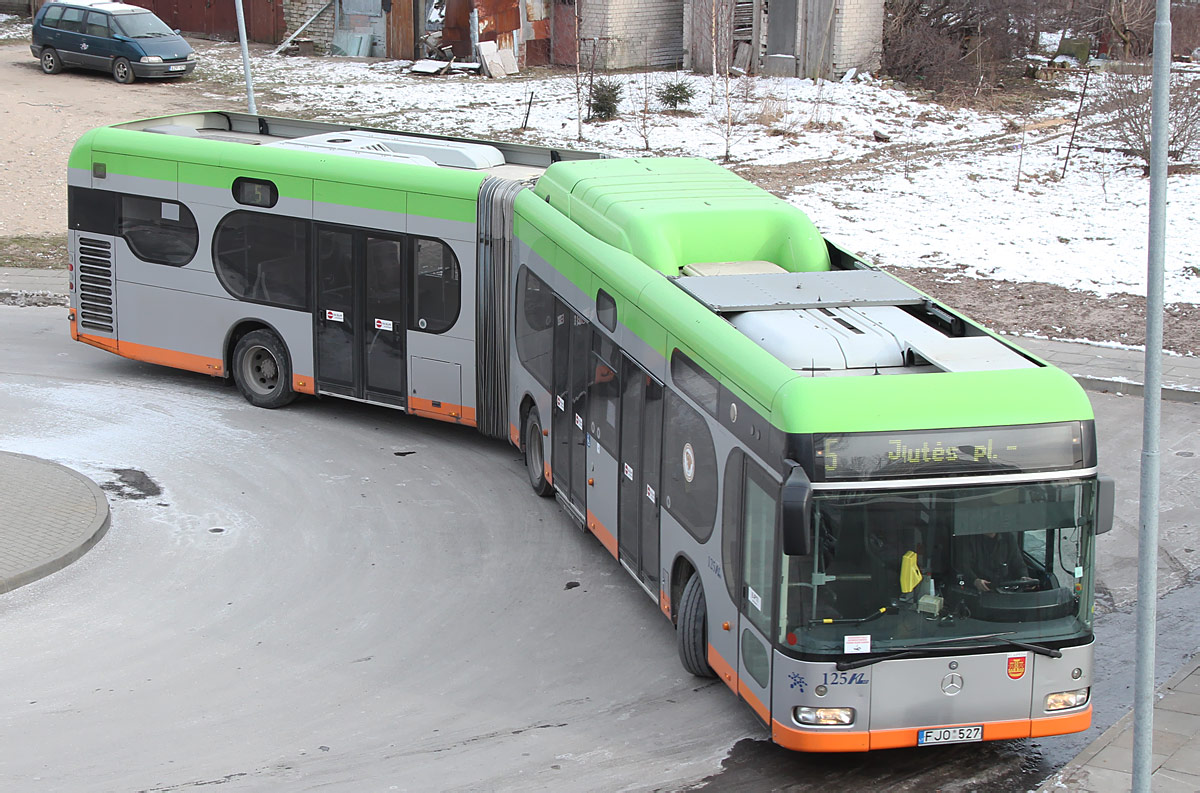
336, 596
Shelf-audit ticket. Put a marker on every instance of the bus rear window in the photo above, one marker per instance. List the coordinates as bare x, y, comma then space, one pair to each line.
162, 232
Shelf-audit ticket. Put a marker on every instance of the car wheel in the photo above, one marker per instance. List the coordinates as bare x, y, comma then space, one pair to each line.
262, 370
51, 63
122, 71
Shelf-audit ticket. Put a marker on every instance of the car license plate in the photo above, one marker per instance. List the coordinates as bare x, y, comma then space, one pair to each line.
178, 67
950, 735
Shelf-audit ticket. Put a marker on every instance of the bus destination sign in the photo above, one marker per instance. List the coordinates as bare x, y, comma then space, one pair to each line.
949, 452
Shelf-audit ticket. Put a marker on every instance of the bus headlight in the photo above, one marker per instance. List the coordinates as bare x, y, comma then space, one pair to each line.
151, 59
806, 715
1062, 700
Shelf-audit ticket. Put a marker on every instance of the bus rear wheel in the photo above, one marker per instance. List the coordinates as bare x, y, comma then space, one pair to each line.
691, 629
535, 457
262, 370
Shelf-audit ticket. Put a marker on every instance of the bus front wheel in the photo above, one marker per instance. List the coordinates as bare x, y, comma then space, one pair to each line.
262, 371
691, 629
535, 457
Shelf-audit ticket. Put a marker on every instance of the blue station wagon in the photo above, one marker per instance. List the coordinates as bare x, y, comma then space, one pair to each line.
124, 40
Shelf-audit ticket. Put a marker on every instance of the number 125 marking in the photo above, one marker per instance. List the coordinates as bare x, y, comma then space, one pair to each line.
845, 679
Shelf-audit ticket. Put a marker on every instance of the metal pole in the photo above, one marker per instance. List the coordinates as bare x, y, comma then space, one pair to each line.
241, 18
1143, 702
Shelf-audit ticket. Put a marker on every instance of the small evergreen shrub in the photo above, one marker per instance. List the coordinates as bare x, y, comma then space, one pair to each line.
606, 98
676, 93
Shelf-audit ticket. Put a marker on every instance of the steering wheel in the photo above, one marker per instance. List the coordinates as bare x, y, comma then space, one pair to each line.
1017, 585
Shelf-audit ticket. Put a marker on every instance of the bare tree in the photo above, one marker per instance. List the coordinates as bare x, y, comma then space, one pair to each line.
1126, 97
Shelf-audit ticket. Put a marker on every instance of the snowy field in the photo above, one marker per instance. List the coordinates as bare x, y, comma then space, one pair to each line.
948, 188
952, 200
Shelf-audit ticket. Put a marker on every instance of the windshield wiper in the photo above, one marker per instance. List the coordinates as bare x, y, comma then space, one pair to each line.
928, 648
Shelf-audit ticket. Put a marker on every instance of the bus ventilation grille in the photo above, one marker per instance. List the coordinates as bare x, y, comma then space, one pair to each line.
95, 285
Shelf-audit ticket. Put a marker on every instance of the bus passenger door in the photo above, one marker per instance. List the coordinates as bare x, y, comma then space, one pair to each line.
572, 354
641, 415
758, 518
360, 316
603, 440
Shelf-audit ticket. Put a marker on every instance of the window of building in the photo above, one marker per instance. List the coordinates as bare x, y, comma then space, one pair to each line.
535, 325
606, 310
263, 258
437, 289
689, 468
695, 382
163, 232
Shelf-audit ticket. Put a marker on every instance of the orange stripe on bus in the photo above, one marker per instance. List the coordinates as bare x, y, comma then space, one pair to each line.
172, 358
834, 740
755, 702
514, 435
664, 602
442, 411
722, 668
549, 474
602, 534
303, 384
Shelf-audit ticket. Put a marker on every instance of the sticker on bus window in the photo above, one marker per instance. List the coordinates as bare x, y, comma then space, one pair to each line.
650, 493
578, 421
689, 462
335, 316
629, 472
562, 405
1079, 572
754, 598
170, 211
857, 644
383, 324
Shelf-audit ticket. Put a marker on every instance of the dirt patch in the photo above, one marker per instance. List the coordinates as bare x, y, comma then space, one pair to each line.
1055, 312
40, 252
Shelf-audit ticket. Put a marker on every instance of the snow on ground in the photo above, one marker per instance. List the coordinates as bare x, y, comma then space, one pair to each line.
951, 201
13, 27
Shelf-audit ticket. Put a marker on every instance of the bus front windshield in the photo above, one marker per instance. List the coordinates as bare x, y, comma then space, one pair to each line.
897, 568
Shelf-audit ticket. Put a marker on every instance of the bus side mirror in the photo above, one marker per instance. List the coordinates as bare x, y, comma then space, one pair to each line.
1106, 499
797, 513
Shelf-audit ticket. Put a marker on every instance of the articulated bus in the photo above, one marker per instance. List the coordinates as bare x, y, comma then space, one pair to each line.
868, 516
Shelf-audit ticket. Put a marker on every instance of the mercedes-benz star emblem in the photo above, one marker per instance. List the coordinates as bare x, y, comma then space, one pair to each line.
952, 684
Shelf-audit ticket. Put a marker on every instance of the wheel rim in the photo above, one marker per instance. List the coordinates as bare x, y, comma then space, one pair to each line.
260, 371
122, 71
47, 61
533, 454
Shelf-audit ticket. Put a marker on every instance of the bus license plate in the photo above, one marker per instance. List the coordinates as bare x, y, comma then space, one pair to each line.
178, 67
950, 735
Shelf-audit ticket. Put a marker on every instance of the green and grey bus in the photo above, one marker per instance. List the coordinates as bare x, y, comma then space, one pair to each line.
868, 516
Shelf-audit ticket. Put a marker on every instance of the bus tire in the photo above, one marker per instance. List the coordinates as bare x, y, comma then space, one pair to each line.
262, 370
691, 629
535, 455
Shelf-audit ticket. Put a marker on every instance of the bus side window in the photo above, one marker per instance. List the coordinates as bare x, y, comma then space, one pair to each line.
535, 325
158, 231
437, 286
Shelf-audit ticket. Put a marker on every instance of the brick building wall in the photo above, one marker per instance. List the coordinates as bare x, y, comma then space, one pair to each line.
633, 32
297, 12
15, 7
857, 35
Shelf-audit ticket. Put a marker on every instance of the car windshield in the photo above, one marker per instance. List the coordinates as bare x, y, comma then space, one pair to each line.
142, 26
898, 568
